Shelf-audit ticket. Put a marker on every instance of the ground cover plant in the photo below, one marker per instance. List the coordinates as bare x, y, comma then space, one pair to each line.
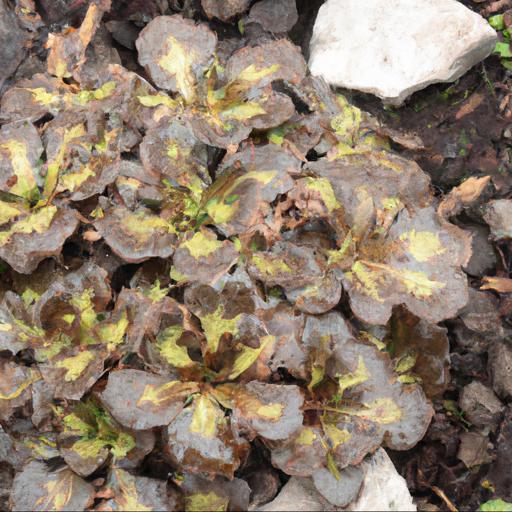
215, 267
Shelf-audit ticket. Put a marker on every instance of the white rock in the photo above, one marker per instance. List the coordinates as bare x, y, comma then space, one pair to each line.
392, 48
298, 494
383, 489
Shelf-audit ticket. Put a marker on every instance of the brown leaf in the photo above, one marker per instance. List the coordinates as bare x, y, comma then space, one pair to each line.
91, 236
67, 49
498, 284
470, 105
464, 195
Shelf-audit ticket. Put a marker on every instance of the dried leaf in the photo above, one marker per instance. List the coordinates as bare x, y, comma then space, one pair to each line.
464, 195
498, 284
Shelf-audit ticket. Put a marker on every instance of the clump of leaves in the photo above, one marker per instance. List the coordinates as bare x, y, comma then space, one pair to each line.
502, 48
239, 344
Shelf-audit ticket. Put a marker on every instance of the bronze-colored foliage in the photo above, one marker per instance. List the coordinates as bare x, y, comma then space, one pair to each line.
220, 231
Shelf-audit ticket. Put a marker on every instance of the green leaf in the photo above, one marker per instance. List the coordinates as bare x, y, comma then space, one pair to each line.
497, 22
497, 505
503, 49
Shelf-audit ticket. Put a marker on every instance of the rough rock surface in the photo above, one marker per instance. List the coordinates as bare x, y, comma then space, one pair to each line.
383, 489
298, 494
480, 405
498, 214
500, 362
392, 48
483, 258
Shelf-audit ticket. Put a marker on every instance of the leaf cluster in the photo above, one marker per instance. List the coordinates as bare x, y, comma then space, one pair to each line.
230, 339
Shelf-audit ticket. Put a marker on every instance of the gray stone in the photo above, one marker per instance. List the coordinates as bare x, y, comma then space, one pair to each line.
342, 491
298, 494
383, 489
498, 214
500, 363
480, 405
481, 314
474, 449
483, 257
392, 48
274, 15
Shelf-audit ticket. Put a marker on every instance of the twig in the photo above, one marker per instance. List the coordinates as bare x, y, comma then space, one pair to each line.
423, 481
445, 498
